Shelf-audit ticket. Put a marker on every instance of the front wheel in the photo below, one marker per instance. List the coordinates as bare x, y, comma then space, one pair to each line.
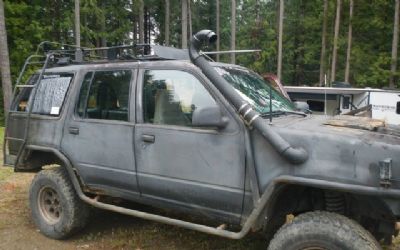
323, 230
56, 209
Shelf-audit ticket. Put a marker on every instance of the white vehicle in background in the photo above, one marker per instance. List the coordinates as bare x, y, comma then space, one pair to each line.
374, 103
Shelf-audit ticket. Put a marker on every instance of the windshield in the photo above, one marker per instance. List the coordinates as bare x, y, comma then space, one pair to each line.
255, 90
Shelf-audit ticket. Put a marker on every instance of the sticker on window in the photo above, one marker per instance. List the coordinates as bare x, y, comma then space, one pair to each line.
55, 111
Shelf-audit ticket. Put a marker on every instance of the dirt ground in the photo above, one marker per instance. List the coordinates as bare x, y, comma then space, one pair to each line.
106, 230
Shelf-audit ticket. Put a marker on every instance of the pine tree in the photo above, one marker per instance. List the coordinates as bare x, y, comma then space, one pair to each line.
395, 44
335, 41
280, 38
233, 30
349, 40
323, 46
4, 61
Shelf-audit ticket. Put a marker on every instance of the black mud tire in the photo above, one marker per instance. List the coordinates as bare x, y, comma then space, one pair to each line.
56, 209
323, 230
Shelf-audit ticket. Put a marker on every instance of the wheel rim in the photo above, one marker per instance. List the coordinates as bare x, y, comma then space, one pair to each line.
315, 248
49, 205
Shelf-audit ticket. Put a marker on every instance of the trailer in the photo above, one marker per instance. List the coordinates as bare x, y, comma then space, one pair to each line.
375, 103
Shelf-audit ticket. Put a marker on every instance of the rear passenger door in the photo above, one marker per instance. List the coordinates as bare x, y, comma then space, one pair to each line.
98, 135
200, 170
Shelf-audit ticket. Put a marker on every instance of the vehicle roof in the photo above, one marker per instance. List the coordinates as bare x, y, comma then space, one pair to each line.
122, 64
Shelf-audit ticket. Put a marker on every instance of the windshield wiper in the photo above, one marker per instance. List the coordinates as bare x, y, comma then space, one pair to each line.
282, 112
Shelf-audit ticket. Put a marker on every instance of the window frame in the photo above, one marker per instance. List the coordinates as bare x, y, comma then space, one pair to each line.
139, 97
46, 116
131, 108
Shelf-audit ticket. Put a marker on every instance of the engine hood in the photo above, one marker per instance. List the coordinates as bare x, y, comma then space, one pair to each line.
345, 127
345, 154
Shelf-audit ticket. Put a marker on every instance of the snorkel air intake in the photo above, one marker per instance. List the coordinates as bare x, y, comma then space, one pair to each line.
245, 110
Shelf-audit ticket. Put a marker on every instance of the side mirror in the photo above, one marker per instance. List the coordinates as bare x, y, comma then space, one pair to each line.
209, 117
303, 107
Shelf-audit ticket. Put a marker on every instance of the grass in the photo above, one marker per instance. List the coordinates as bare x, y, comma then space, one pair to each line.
1, 135
4, 171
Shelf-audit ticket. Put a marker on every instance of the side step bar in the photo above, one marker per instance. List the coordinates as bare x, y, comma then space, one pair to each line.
219, 231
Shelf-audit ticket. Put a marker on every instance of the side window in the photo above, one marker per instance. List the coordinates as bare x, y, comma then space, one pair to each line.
398, 108
50, 95
170, 97
105, 95
84, 93
346, 102
20, 103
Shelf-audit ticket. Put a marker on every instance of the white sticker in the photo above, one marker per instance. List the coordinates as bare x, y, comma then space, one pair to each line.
55, 111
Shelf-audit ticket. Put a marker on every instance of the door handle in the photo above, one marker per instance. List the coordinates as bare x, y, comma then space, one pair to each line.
73, 130
148, 138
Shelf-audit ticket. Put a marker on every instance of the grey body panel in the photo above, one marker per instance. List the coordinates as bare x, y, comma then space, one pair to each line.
184, 165
102, 151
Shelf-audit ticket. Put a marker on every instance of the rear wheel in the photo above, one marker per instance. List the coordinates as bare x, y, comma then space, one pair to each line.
323, 230
56, 209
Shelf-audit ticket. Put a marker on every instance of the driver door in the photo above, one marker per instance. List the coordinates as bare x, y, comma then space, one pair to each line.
200, 170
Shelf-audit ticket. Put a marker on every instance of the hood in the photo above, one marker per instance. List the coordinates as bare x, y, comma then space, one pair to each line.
363, 128
338, 151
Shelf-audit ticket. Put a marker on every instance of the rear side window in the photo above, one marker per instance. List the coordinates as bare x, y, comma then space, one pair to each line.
398, 108
50, 95
105, 95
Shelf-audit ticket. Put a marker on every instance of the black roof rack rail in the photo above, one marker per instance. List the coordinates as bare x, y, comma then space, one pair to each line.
65, 54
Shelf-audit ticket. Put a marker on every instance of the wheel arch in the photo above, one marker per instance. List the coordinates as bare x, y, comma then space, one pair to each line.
40, 156
371, 211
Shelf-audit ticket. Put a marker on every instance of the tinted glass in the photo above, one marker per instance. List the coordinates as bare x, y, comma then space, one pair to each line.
346, 102
252, 88
83, 94
171, 96
105, 95
50, 95
21, 101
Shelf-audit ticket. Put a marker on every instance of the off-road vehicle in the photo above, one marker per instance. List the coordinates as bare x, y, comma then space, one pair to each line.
202, 139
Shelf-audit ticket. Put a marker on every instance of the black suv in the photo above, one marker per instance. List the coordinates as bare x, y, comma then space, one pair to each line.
202, 138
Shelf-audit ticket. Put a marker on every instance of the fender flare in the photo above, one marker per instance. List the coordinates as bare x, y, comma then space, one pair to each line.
67, 163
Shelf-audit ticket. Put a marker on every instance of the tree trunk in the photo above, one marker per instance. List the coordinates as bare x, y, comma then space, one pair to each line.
141, 21
395, 44
167, 16
190, 18
233, 30
103, 39
323, 46
280, 38
146, 26
4, 61
218, 27
335, 41
349, 39
184, 23
77, 24
134, 31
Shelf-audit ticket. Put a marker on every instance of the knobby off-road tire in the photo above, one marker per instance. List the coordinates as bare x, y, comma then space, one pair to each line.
323, 230
56, 209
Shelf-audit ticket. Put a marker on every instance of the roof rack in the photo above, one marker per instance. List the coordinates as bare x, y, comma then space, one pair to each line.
65, 54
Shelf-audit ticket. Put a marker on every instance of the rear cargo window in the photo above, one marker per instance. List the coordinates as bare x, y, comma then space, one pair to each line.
50, 95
